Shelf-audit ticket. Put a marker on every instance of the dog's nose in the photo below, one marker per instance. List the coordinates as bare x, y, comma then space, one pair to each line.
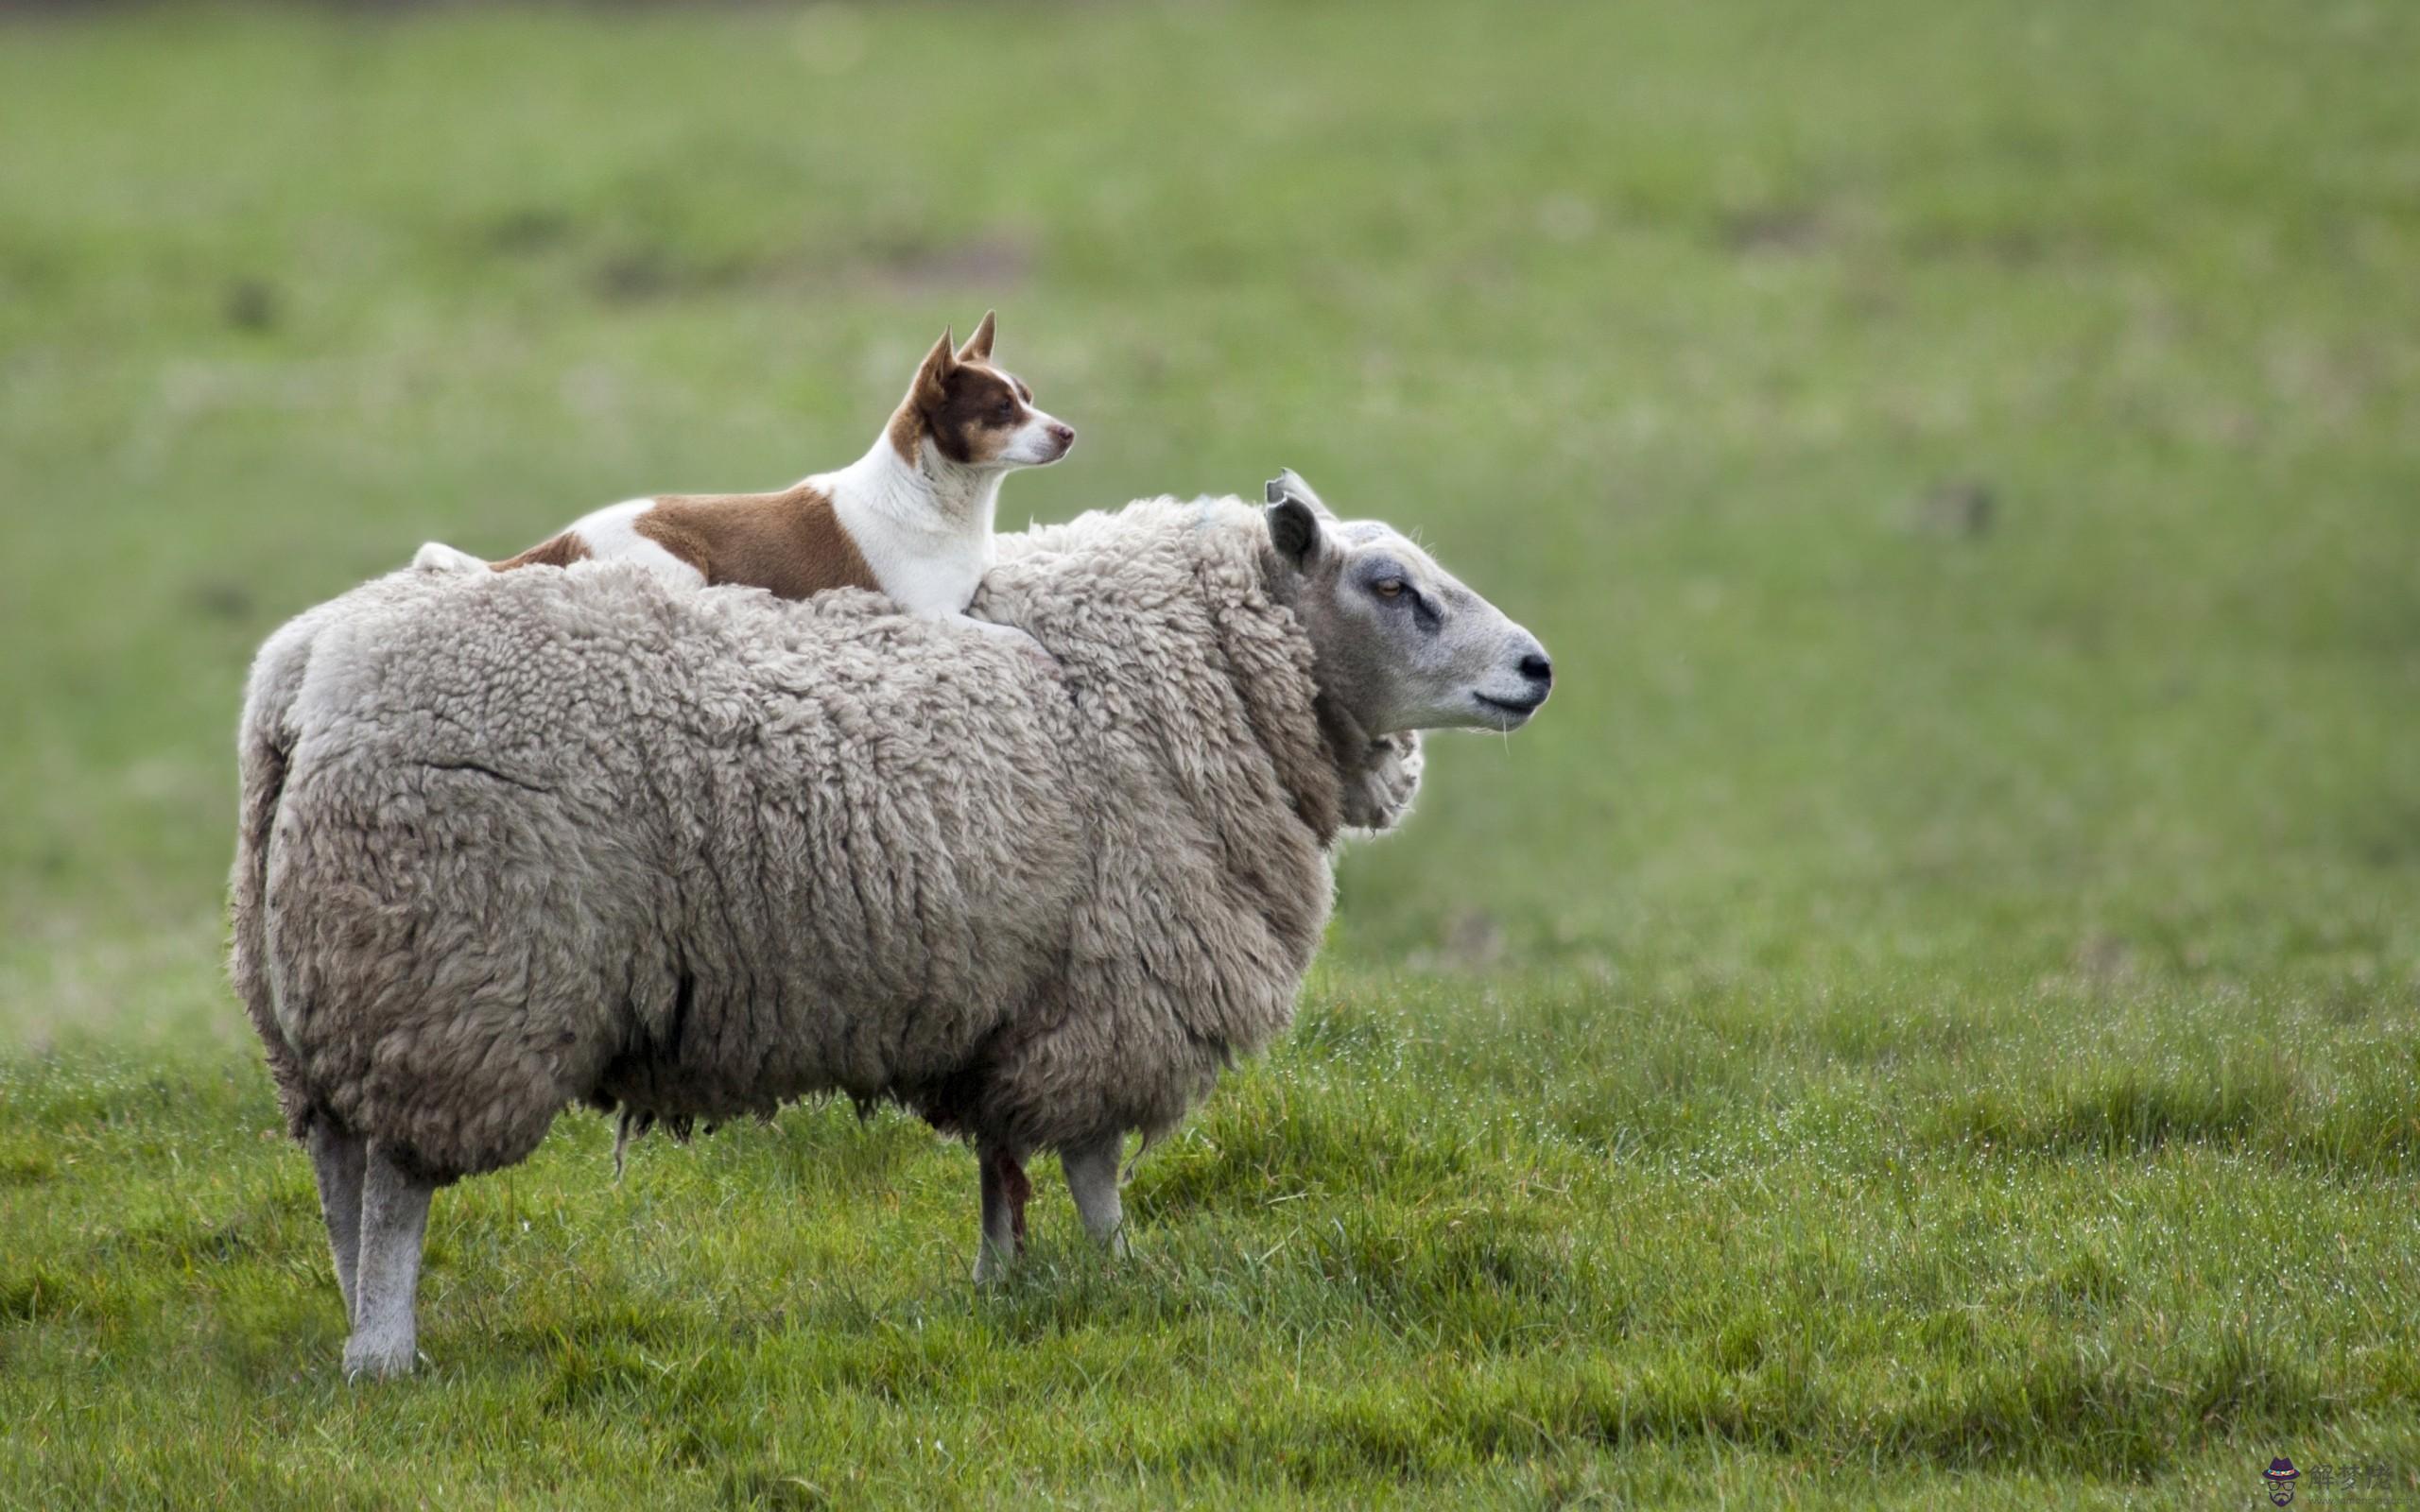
1538, 669
1063, 434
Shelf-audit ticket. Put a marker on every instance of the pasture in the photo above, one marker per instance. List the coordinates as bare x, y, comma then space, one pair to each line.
1928, 1015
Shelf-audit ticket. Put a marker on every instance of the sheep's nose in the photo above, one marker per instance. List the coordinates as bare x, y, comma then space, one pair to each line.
1538, 670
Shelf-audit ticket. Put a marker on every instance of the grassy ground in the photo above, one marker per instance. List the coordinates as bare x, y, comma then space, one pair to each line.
1926, 1017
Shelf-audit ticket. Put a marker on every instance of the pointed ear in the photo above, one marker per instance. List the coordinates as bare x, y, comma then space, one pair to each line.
933, 374
1288, 484
978, 346
1295, 531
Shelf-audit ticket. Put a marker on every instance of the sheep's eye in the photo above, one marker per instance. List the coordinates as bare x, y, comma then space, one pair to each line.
1388, 588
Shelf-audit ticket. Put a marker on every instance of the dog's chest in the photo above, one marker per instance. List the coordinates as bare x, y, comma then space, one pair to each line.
933, 576
925, 571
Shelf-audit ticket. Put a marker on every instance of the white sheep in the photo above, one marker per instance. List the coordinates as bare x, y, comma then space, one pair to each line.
511, 841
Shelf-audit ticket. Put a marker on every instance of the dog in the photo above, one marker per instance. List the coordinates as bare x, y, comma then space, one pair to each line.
912, 519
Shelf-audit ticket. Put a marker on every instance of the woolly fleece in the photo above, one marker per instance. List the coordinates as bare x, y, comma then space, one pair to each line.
515, 840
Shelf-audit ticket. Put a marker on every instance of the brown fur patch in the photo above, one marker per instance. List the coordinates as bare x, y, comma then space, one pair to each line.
791, 542
981, 411
962, 413
969, 407
556, 551
926, 393
905, 431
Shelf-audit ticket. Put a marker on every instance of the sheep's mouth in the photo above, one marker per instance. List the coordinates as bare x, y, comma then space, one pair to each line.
1509, 714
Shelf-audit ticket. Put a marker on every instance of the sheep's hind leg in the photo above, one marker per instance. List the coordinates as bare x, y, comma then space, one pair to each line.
394, 1219
1092, 1180
336, 1160
1005, 1190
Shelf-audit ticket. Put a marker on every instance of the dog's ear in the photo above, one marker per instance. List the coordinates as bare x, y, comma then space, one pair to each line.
1288, 484
978, 346
932, 379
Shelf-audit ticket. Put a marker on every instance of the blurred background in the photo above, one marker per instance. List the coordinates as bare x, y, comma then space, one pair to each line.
1966, 460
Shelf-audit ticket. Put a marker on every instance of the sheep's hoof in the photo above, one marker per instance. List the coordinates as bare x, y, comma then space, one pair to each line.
378, 1359
991, 1266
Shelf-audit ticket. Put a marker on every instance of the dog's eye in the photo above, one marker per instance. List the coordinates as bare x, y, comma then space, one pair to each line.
1388, 588
1008, 409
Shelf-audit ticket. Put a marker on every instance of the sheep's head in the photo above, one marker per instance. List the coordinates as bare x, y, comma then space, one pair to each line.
1402, 646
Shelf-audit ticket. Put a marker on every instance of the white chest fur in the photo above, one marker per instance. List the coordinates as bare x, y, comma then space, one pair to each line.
926, 532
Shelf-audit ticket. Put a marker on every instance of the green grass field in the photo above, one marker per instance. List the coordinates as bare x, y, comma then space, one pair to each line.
1926, 1017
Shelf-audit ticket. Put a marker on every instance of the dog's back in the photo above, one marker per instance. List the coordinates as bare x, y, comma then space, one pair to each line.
912, 519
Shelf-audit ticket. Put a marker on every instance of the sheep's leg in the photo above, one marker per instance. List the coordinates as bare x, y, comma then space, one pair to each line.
1092, 1180
394, 1218
336, 1160
1005, 1190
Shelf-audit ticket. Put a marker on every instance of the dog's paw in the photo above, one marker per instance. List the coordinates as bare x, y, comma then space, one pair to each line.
437, 557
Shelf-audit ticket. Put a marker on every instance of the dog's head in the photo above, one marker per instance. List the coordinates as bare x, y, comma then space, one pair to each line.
1401, 644
973, 413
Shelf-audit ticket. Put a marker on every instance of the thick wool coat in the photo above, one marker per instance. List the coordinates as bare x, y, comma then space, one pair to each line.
514, 840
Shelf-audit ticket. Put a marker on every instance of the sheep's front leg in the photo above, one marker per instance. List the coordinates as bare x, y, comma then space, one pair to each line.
394, 1218
336, 1160
1005, 1190
1092, 1180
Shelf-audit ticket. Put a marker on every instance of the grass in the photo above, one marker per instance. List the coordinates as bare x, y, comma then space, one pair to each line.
1926, 1017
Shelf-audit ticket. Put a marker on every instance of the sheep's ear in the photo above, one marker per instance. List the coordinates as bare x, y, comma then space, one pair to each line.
1296, 532
978, 346
1288, 484
933, 376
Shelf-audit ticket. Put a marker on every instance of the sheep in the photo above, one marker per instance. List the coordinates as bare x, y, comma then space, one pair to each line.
508, 842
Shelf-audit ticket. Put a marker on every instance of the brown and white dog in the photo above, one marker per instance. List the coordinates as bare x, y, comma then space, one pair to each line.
910, 519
